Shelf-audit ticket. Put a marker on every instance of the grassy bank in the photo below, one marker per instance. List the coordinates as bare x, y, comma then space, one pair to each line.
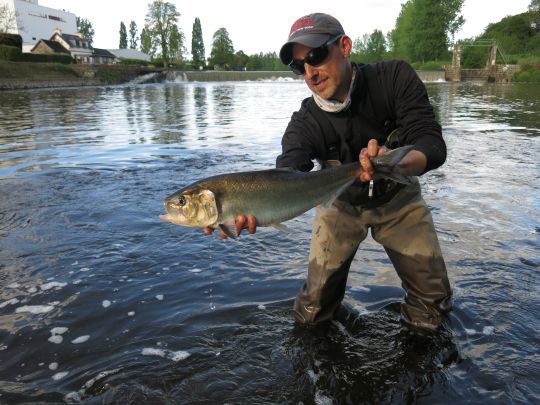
15, 75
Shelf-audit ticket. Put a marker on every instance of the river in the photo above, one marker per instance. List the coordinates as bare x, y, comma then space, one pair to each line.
102, 302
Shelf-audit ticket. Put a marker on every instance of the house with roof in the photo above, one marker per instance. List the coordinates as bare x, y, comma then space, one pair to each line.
79, 48
48, 47
75, 45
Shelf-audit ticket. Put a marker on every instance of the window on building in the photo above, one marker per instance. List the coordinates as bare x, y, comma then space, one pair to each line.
55, 18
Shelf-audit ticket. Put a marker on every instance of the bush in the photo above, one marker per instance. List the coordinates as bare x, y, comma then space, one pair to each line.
129, 61
10, 53
54, 58
529, 73
11, 40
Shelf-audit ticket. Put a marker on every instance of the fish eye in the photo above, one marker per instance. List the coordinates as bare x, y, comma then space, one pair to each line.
181, 201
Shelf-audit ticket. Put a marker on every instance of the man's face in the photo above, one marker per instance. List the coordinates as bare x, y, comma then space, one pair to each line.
331, 79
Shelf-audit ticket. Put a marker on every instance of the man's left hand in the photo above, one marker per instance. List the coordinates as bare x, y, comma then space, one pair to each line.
373, 149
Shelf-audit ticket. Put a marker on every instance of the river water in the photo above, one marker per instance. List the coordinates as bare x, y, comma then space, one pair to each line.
102, 302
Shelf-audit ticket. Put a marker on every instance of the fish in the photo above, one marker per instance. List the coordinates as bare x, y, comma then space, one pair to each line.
272, 196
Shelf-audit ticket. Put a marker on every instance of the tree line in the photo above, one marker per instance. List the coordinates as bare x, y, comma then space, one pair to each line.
424, 32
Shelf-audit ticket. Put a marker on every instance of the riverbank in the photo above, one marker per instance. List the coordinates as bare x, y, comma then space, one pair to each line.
22, 75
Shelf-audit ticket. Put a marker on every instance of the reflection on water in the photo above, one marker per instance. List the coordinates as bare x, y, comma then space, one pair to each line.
100, 301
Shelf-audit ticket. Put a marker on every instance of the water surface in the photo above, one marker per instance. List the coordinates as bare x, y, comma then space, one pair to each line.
100, 301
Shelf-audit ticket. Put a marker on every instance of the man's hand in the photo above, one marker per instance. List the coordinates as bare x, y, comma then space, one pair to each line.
373, 149
413, 163
248, 222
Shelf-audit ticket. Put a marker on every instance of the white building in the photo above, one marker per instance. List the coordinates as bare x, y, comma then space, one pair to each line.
35, 22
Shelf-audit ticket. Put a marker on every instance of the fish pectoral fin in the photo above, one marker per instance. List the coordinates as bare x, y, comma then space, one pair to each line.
282, 227
229, 229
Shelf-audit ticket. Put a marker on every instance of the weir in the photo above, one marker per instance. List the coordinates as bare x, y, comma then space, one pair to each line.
218, 75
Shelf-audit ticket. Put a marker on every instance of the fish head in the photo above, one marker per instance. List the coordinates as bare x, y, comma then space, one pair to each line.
191, 207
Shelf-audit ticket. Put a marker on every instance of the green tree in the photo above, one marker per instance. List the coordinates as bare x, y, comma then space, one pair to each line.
534, 11
425, 28
160, 20
176, 45
147, 44
371, 48
197, 45
240, 61
222, 53
133, 39
84, 27
123, 36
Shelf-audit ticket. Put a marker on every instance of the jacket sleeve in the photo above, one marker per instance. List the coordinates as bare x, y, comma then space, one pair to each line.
415, 116
298, 146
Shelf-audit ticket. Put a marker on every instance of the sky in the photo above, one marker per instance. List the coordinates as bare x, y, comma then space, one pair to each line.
255, 27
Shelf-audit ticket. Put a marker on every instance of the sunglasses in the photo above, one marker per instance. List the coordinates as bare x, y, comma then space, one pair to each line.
314, 58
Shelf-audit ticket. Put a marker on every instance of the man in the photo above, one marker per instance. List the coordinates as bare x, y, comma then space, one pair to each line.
357, 112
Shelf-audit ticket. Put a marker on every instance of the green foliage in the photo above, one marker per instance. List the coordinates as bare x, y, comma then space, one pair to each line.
147, 44
14, 54
133, 35
424, 29
222, 54
198, 54
176, 46
264, 62
123, 36
160, 20
11, 40
431, 65
515, 34
38, 58
10, 53
371, 48
529, 73
131, 61
84, 27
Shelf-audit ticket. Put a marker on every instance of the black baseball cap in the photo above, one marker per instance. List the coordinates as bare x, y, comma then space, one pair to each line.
312, 30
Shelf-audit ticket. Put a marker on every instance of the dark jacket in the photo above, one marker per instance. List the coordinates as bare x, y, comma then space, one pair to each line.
389, 96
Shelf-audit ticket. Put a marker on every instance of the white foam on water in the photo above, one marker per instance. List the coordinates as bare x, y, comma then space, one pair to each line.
32, 290
488, 330
35, 309
106, 303
52, 284
321, 399
159, 297
470, 332
360, 288
13, 285
149, 351
261, 306
166, 354
131, 313
53, 366
83, 269
195, 270
76, 262
59, 330
57, 339
81, 339
77, 281
12, 301
177, 356
60, 375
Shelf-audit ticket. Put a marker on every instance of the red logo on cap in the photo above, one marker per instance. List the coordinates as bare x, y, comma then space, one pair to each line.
301, 24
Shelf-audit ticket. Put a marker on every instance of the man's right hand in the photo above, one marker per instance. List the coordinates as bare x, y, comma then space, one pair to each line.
248, 222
